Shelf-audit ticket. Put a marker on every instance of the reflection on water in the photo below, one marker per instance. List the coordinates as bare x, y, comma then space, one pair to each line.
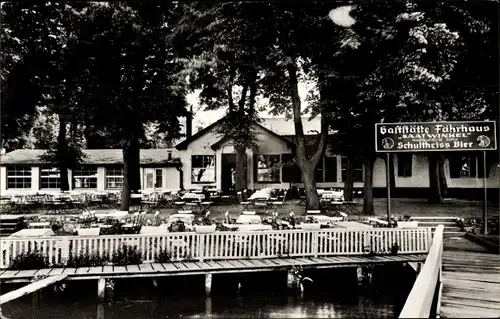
325, 299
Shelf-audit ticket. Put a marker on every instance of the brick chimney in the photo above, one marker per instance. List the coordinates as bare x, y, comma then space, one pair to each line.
189, 123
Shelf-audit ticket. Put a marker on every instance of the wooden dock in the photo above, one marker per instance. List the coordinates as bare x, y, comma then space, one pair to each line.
150, 270
28, 289
471, 285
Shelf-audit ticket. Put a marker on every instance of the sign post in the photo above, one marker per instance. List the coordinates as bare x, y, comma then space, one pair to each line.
437, 137
388, 184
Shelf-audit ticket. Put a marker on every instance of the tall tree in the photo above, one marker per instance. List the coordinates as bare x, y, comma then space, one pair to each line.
225, 66
131, 77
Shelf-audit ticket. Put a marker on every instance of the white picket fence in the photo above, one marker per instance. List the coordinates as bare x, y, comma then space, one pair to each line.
227, 245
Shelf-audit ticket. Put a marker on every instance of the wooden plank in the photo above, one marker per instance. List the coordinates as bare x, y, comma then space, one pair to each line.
56, 271
83, 270
257, 263
191, 266
107, 270
180, 266
332, 260
157, 267
213, 265
95, 270
133, 268
69, 271
269, 263
304, 261
120, 270
26, 273
9, 274
281, 262
319, 261
169, 267
236, 263
247, 263
30, 288
43, 272
486, 297
225, 264
202, 265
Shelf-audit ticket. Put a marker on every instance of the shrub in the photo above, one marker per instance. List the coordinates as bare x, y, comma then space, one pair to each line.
127, 255
164, 256
87, 259
31, 260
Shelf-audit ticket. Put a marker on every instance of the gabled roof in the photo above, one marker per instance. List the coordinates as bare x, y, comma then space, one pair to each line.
289, 142
94, 157
183, 145
277, 126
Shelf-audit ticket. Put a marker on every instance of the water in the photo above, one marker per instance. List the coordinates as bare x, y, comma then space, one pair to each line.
332, 295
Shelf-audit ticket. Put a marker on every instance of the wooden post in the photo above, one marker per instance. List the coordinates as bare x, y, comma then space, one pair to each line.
290, 279
315, 243
485, 200
208, 306
101, 288
100, 311
388, 182
359, 275
208, 284
201, 246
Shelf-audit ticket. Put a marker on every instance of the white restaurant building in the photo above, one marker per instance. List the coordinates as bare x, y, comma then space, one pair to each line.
208, 159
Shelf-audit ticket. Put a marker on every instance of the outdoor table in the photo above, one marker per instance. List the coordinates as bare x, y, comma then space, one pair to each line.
194, 206
179, 205
94, 231
154, 230
27, 232
39, 225
193, 196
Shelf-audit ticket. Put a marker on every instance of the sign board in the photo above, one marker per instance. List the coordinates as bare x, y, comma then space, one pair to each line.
435, 136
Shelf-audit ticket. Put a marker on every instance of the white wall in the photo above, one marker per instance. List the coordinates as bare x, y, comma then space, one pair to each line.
171, 181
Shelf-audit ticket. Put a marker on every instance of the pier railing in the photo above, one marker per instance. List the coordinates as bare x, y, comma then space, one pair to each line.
226, 245
426, 292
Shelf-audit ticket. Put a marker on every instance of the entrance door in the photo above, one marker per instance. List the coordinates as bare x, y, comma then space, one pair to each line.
153, 179
228, 168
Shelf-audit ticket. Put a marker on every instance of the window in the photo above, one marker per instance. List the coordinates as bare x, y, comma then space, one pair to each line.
357, 175
85, 178
290, 171
159, 179
318, 171
50, 178
463, 166
269, 168
203, 168
405, 164
18, 177
330, 169
114, 177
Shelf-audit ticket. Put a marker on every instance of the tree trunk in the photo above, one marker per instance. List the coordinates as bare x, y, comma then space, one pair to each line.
349, 180
368, 186
310, 190
62, 153
435, 194
239, 175
131, 175
306, 165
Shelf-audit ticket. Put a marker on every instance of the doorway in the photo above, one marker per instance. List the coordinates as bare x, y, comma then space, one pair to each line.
228, 169
153, 179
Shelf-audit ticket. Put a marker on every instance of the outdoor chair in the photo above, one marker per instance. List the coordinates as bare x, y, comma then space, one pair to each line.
277, 204
241, 201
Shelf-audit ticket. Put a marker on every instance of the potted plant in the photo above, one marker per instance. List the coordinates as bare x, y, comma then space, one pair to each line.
206, 225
